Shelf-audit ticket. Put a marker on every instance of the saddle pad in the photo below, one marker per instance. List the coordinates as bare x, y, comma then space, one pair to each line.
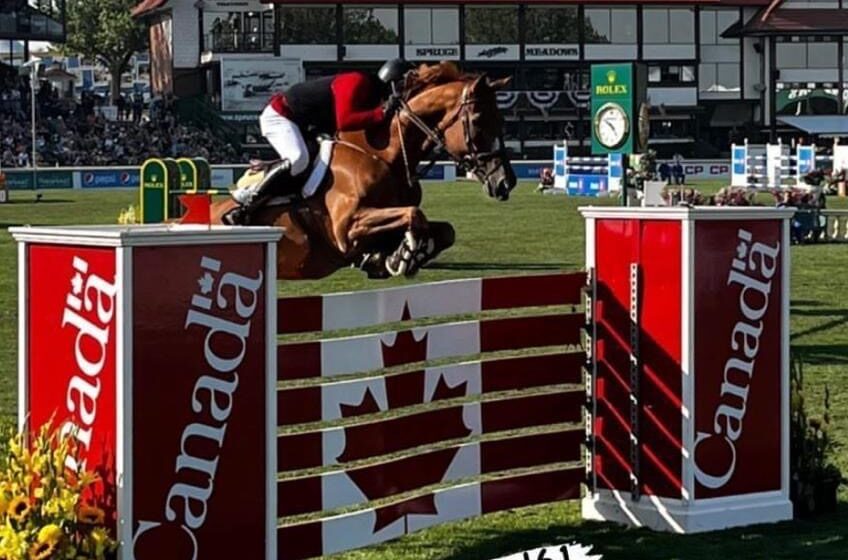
319, 168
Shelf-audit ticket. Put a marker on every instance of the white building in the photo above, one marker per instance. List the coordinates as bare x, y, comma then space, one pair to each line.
718, 69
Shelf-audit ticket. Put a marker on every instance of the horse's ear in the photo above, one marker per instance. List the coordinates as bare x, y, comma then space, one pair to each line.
503, 83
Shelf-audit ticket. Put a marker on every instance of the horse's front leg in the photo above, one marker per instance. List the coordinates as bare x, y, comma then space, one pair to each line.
421, 240
367, 223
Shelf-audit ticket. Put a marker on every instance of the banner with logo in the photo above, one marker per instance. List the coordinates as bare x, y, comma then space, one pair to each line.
492, 52
612, 87
199, 471
72, 350
431, 52
110, 179
248, 84
55, 180
738, 365
18, 180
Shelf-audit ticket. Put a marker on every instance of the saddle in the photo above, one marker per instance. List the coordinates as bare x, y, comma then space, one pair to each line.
287, 190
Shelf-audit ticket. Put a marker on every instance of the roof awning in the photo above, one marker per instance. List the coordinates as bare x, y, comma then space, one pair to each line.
821, 125
814, 21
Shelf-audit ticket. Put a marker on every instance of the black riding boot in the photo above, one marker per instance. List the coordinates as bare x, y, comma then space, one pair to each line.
241, 215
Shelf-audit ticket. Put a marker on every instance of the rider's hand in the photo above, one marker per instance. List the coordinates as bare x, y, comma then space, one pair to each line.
391, 106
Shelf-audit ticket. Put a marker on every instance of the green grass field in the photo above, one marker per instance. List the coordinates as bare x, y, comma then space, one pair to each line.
531, 233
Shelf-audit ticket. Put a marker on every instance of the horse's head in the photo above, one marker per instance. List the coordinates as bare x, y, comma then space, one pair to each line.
471, 130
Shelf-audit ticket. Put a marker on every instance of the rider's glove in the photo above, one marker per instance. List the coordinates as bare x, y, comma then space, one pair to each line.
391, 106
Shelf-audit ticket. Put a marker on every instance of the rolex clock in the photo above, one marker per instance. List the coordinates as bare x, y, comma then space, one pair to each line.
618, 90
612, 125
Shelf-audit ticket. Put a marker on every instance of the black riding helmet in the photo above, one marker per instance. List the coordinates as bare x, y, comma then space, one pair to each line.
394, 71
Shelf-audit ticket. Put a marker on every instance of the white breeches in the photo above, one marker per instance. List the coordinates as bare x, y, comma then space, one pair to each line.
285, 137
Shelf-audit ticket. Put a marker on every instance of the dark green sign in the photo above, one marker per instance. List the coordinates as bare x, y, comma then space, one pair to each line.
18, 180
618, 120
55, 180
158, 178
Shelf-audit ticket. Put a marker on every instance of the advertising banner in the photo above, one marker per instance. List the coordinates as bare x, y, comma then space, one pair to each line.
248, 84
55, 180
738, 365
110, 179
18, 180
72, 350
199, 470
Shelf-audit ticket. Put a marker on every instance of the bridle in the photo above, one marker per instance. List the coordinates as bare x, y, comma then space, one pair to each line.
475, 160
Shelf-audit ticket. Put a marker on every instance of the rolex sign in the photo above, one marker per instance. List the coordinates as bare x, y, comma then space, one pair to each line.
617, 92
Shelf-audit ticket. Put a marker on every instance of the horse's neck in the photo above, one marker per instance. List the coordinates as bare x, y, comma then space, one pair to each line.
403, 142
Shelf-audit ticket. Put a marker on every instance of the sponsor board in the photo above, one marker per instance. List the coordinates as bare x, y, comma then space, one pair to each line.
72, 351
431, 52
18, 180
555, 52
491, 52
199, 480
737, 448
110, 179
55, 180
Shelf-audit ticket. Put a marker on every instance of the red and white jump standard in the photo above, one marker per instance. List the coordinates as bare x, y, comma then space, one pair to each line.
689, 424
156, 347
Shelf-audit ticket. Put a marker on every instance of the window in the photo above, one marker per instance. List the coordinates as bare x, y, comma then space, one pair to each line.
239, 31
681, 26
491, 25
663, 26
670, 74
719, 78
714, 22
308, 25
552, 25
822, 55
616, 26
431, 26
798, 53
370, 25
556, 79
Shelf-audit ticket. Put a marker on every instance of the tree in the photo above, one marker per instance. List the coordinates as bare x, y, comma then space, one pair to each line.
105, 30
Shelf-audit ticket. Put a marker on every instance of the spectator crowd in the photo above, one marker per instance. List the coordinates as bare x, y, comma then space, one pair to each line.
76, 132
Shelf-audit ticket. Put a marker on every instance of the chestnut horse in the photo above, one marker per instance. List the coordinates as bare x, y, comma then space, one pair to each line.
366, 211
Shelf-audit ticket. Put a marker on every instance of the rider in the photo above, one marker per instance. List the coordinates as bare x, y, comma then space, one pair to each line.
347, 101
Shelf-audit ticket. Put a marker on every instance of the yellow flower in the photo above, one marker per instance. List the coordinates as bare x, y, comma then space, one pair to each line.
89, 515
19, 509
42, 551
4, 503
51, 533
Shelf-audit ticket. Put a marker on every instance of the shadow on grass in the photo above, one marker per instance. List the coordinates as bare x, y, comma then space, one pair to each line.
839, 320
31, 200
805, 303
822, 538
554, 266
822, 354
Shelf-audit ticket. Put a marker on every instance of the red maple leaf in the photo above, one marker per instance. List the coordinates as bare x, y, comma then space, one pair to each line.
395, 477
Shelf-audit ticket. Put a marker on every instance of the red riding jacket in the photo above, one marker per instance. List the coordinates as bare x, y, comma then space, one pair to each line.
348, 101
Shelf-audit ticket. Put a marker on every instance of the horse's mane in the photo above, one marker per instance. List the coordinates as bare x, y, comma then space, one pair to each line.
428, 76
